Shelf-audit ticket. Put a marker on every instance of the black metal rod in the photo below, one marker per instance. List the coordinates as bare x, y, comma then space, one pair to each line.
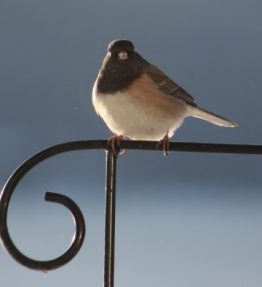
46, 265
195, 147
110, 207
25, 167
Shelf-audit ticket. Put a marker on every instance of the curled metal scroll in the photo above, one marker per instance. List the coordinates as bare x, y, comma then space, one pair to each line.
6, 194
78, 238
9, 188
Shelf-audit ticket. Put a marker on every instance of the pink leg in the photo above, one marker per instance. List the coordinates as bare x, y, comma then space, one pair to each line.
165, 143
114, 143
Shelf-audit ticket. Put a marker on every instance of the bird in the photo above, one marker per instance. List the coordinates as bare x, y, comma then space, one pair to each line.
138, 101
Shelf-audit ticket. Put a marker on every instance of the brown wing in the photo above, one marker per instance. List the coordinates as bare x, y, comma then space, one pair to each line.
166, 85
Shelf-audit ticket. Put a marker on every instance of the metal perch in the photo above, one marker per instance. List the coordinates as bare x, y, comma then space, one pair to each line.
111, 161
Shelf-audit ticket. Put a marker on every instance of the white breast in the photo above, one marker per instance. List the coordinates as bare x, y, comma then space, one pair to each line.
140, 113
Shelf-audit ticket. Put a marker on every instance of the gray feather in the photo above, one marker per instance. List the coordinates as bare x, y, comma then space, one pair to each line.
168, 86
212, 118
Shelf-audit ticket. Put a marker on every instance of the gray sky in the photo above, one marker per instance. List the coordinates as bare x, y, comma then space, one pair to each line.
203, 206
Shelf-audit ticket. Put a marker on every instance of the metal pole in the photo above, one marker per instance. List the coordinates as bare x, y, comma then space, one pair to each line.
111, 159
47, 153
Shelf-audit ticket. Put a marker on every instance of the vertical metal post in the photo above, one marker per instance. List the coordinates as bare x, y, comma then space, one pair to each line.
111, 159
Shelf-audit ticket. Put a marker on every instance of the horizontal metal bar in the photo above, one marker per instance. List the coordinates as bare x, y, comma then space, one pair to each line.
152, 145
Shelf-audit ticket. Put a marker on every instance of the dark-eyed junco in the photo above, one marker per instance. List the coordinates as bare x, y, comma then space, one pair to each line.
137, 100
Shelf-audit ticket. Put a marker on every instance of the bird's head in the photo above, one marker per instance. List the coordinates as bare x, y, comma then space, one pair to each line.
121, 50
121, 66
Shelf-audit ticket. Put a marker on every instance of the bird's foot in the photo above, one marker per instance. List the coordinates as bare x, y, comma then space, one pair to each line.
113, 143
164, 143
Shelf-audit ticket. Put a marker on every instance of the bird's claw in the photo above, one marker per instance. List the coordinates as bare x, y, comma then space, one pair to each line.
113, 144
164, 142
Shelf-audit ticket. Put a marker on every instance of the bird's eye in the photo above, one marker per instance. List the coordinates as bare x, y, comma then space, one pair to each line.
122, 55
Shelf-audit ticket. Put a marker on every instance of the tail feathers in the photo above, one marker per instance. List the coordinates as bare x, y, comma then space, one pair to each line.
212, 118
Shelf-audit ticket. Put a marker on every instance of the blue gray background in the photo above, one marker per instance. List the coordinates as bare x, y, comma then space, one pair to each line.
189, 220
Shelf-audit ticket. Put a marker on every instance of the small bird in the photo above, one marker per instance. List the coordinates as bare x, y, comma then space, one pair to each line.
137, 100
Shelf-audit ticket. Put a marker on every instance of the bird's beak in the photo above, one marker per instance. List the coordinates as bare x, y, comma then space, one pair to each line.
122, 55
